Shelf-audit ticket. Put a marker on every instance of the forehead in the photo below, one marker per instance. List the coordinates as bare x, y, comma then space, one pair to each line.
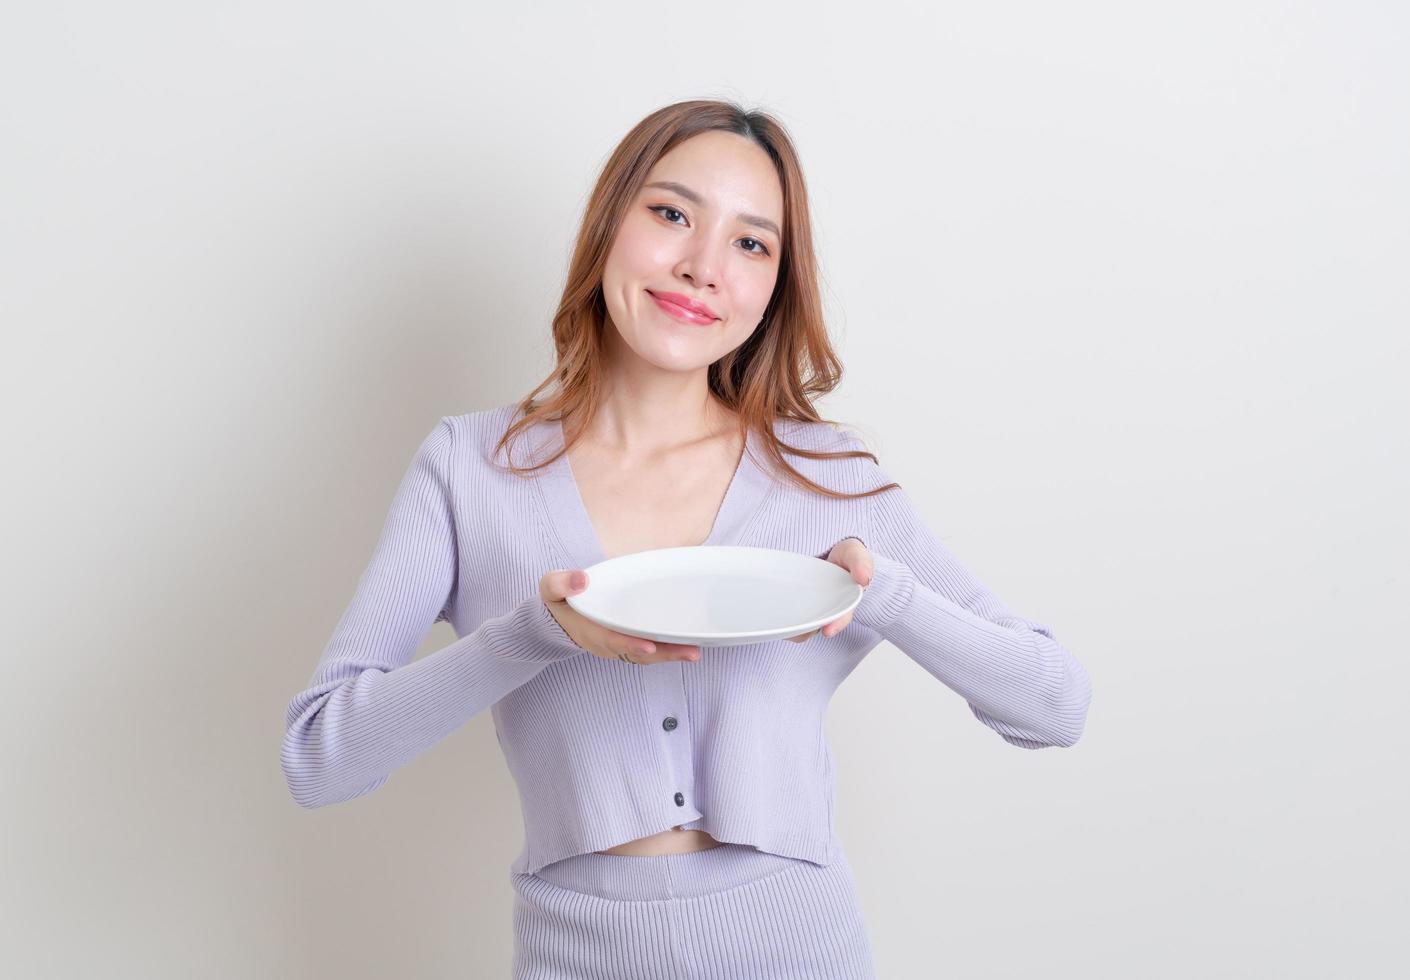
727, 170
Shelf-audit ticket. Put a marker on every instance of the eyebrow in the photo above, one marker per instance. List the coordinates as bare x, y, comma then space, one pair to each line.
696, 199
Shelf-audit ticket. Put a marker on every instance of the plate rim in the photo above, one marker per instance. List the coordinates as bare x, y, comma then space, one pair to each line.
739, 634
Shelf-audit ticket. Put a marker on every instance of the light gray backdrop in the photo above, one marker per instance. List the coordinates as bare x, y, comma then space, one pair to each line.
1121, 293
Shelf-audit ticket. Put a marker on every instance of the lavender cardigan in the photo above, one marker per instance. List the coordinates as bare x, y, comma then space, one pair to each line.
603, 751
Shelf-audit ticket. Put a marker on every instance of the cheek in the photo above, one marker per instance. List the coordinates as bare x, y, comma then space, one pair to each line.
758, 288
638, 251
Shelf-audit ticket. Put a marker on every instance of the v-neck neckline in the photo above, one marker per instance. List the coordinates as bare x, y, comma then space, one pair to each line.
748, 487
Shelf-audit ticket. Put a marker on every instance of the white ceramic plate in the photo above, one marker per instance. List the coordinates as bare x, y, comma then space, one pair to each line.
716, 595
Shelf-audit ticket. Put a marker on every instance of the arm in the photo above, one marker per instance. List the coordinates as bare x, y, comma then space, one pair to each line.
369, 709
1018, 679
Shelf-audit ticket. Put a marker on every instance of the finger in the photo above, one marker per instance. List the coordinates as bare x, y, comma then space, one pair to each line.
559, 584
859, 563
688, 652
646, 651
860, 567
837, 625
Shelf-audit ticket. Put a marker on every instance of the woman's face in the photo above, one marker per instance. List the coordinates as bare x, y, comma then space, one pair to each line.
713, 237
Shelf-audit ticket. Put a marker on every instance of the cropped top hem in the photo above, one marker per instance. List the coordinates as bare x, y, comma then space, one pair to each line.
803, 847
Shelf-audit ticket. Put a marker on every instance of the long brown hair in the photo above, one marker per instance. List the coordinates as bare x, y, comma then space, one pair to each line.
786, 362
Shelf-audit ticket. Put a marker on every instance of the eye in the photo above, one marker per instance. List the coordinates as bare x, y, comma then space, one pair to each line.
661, 209
665, 209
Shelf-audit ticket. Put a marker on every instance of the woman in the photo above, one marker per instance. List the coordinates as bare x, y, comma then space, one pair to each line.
677, 802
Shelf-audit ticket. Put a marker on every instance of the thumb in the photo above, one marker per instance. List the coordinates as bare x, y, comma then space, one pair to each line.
560, 584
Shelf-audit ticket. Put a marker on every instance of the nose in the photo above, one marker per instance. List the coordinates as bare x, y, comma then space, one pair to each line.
701, 264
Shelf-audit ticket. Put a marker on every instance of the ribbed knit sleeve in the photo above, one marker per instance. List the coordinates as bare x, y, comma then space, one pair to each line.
1018, 679
368, 708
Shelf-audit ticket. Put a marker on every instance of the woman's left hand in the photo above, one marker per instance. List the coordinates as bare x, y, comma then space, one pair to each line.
851, 554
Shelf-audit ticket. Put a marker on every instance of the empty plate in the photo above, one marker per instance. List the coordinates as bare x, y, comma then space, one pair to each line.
716, 595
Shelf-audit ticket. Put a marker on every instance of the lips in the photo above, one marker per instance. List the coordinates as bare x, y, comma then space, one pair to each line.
684, 308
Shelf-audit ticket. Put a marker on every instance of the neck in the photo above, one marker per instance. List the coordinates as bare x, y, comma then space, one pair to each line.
649, 418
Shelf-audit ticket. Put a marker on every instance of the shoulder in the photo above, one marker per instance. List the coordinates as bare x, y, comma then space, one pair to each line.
819, 436
828, 437
849, 474
481, 429
476, 438
468, 423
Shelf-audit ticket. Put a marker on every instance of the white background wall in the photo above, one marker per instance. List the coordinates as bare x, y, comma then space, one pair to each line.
1121, 292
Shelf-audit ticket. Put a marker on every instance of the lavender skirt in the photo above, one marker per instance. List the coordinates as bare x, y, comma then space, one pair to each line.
726, 913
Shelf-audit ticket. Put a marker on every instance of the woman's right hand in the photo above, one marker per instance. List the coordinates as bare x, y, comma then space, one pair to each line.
554, 589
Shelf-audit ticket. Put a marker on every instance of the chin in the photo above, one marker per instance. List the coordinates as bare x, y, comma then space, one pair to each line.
668, 358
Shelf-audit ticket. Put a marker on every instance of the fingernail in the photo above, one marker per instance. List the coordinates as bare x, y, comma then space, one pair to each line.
577, 579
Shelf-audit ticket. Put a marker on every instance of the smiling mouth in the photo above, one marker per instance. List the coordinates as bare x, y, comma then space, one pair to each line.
681, 313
